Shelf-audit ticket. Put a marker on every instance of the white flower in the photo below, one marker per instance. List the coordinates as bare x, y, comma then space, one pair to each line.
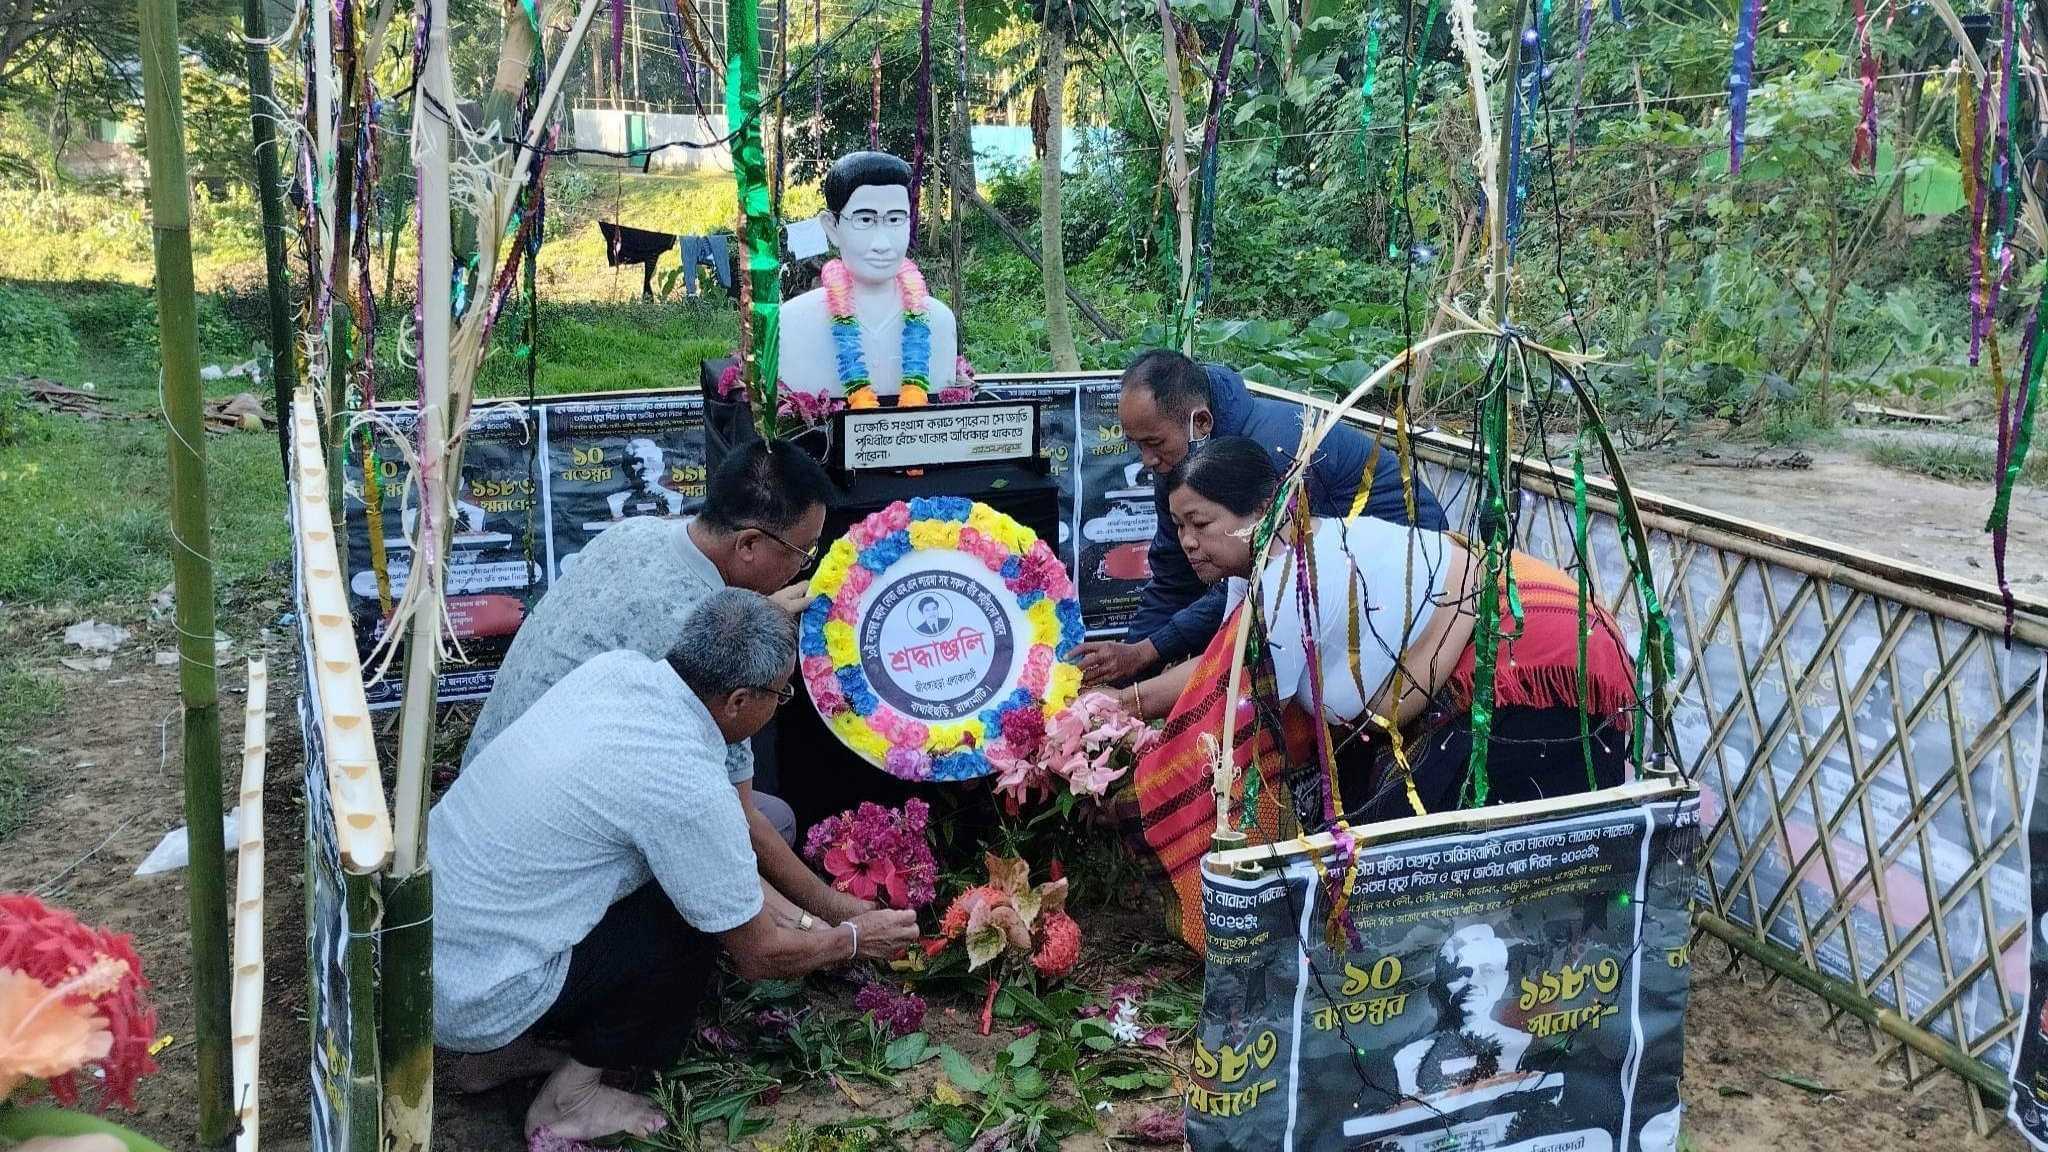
1123, 1024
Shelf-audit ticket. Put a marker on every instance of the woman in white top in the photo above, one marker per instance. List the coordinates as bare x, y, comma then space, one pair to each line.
1392, 626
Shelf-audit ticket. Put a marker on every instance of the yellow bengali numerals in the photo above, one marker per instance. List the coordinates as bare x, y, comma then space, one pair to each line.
1569, 983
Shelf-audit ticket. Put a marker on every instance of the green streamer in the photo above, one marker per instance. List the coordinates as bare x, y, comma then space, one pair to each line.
760, 366
1486, 632
1582, 544
2023, 434
1372, 82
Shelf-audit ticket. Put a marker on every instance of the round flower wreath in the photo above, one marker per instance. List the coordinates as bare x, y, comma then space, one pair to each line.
908, 748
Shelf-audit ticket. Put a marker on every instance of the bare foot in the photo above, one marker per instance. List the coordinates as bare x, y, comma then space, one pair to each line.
575, 1105
522, 1058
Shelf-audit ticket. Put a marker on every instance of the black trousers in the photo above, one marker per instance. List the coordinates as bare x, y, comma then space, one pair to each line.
634, 987
1532, 753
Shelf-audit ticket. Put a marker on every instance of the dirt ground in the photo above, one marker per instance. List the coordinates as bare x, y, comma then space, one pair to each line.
110, 788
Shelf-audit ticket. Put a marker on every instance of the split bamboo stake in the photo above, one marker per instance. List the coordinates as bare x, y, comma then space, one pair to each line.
362, 827
247, 998
191, 559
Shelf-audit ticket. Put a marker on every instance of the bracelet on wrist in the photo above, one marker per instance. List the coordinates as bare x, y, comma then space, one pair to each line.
854, 952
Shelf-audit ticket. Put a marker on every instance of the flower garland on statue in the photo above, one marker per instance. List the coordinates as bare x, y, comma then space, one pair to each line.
854, 381
1014, 725
810, 409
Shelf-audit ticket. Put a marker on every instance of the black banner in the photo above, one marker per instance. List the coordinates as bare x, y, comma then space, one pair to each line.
1516, 988
537, 486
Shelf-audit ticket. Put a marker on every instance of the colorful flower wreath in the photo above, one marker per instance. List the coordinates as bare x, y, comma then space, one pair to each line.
908, 748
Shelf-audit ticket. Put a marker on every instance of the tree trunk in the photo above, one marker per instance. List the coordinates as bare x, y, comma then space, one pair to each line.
1059, 328
191, 564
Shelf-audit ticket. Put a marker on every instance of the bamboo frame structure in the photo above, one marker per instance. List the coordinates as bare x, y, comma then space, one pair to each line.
246, 997
362, 824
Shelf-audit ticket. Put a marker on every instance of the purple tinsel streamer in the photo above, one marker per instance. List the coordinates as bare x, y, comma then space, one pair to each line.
1979, 205
924, 112
674, 24
1615, 13
1739, 72
618, 41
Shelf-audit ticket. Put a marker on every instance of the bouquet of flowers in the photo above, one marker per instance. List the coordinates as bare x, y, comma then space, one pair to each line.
1009, 918
878, 853
1087, 748
72, 1009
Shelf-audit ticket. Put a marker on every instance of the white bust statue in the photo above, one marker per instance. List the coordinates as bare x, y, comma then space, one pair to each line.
867, 220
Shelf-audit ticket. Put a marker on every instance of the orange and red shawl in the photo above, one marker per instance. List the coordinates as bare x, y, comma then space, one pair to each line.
1538, 666
1177, 810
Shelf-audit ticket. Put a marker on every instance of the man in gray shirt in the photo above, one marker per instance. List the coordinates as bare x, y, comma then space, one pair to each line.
591, 863
632, 588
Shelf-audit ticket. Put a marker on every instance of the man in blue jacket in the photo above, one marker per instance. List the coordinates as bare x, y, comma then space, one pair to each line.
1170, 404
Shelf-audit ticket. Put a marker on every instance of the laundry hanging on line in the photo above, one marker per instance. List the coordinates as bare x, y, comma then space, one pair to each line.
629, 246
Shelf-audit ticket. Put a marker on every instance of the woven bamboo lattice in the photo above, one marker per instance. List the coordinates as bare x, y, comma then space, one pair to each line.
1887, 717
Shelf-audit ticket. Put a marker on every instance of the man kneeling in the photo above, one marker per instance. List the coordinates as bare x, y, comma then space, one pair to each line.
590, 864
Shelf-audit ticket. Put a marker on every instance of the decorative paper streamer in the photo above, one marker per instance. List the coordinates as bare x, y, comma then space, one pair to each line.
1863, 154
750, 170
1972, 126
2004, 168
618, 10
875, 116
1522, 106
1205, 222
2014, 439
1365, 93
674, 25
1739, 72
924, 112
1582, 546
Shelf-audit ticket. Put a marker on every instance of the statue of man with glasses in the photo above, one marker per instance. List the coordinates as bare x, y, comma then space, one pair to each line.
848, 338
634, 586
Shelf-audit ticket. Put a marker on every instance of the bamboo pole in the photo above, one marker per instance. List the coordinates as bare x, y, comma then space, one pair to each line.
191, 560
246, 1003
963, 183
405, 1019
1983, 1077
270, 202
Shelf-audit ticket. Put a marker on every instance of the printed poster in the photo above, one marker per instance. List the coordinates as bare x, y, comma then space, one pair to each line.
496, 561
1520, 988
1116, 512
611, 460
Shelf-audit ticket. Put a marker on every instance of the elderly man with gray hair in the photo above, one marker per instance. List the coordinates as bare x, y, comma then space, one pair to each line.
590, 864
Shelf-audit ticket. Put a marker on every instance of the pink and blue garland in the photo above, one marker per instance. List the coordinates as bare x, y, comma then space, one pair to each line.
851, 361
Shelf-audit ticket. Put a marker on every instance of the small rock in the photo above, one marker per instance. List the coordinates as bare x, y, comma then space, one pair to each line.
94, 636
87, 664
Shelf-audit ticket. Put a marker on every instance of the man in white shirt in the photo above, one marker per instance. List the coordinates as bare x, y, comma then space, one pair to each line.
592, 862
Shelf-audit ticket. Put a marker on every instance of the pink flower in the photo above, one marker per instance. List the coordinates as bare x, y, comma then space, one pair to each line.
878, 853
1061, 946
908, 764
97, 980
846, 609
808, 408
729, 380
856, 584
900, 1011
1161, 1126
895, 518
